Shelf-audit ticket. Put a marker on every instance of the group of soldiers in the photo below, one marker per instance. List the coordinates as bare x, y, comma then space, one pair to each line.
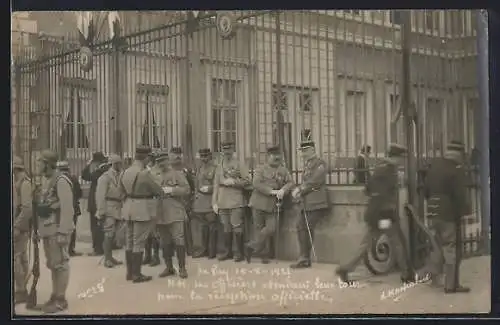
156, 195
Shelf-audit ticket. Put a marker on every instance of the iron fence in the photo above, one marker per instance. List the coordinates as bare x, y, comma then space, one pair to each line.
256, 78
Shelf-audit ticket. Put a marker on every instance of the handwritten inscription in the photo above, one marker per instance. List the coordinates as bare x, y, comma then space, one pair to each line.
395, 293
276, 285
93, 290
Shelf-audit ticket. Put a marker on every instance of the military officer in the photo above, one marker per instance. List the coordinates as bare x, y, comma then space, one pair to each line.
152, 247
313, 195
228, 200
55, 211
204, 220
382, 189
23, 212
140, 210
271, 183
445, 192
109, 198
173, 212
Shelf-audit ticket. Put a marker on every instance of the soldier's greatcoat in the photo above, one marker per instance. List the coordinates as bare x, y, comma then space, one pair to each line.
173, 205
109, 195
231, 197
266, 179
204, 177
313, 187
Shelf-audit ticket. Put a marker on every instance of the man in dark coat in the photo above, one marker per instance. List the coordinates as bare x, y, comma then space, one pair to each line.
362, 173
446, 194
382, 188
63, 167
91, 173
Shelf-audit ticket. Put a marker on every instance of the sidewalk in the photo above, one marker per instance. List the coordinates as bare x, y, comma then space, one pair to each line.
238, 288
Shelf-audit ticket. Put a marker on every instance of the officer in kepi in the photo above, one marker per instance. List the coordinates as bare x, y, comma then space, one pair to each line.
173, 212
109, 197
446, 195
204, 222
382, 189
271, 183
23, 212
228, 200
140, 211
55, 212
312, 196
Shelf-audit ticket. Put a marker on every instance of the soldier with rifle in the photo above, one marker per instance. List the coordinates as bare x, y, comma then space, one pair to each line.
445, 192
23, 212
271, 183
55, 211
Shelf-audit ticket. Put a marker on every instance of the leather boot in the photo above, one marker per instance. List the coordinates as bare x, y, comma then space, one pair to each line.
240, 247
58, 304
108, 253
450, 280
138, 277
169, 266
304, 245
147, 251
155, 259
228, 243
129, 265
181, 258
212, 241
203, 250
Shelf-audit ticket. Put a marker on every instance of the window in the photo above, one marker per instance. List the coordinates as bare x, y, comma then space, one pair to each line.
152, 104
431, 20
34, 132
225, 103
77, 104
397, 129
356, 120
283, 105
434, 123
305, 101
395, 17
472, 118
353, 12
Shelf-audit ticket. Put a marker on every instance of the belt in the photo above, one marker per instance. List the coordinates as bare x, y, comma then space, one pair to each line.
113, 199
141, 197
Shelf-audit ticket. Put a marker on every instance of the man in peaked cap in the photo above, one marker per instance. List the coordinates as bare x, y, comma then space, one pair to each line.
63, 167
362, 173
171, 221
313, 195
229, 201
140, 210
204, 218
446, 195
176, 159
109, 198
91, 173
382, 189
271, 183
23, 212
55, 210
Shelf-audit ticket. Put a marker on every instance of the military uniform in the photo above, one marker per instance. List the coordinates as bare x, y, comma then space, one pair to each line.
140, 211
445, 191
382, 189
268, 179
23, 212
63, 167
204, 220
55, 212
152, 246
172, 216
109, 198
231, 180
314, 203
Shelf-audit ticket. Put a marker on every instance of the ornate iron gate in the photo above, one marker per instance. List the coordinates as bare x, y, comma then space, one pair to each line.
254, 77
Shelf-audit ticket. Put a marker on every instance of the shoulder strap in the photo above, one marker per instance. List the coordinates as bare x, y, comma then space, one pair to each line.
65, 178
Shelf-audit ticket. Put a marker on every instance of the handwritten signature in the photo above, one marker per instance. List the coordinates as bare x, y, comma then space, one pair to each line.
94, 290
395, 293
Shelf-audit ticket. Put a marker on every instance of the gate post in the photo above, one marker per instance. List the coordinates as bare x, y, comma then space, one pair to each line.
18, 107
482, 135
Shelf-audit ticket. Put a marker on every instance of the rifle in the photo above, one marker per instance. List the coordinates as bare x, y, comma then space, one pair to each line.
32, 295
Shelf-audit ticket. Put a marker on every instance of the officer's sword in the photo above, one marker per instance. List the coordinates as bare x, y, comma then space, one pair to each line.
309, 231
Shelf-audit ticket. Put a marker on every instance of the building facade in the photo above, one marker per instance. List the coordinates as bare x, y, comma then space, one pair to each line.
332, 76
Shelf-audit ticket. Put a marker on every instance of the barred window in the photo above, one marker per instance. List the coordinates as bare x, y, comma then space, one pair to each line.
225, 104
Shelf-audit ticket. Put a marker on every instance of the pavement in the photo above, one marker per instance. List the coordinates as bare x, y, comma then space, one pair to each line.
215, 287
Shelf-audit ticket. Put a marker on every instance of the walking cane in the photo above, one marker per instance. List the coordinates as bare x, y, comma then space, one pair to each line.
309, 231
277, 230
